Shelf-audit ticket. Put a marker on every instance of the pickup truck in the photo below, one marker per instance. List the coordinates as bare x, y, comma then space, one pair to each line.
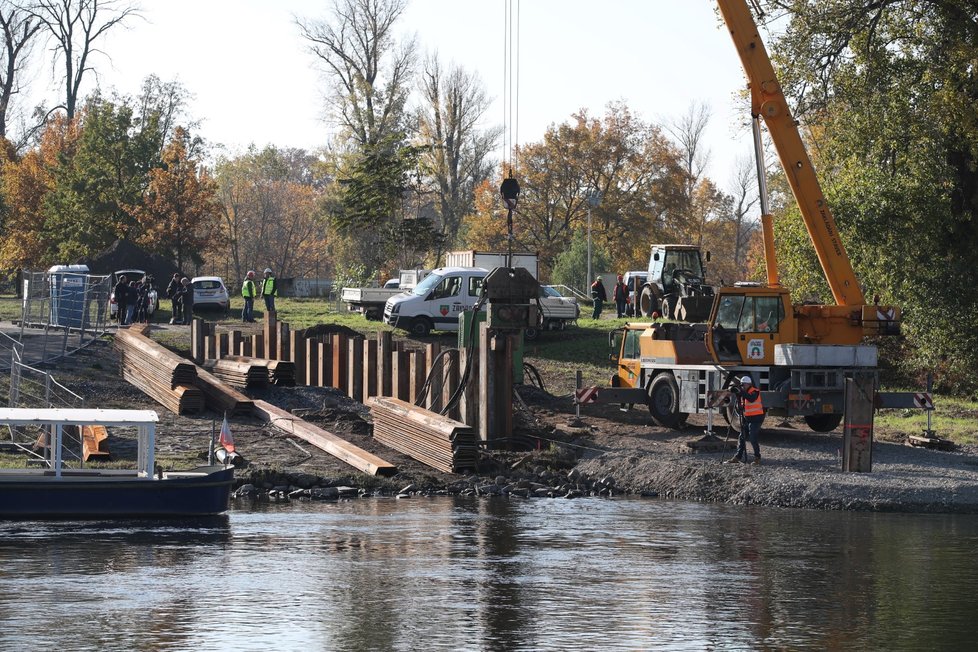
371, 301
436, 302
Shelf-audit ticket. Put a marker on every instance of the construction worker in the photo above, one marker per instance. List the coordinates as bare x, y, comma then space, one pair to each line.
248, 293
751, 415
598, 297
268, 290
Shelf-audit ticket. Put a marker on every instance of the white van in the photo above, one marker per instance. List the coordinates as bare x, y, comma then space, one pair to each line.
436, 302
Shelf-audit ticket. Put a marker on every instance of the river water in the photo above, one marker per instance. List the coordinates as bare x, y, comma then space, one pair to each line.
491, 574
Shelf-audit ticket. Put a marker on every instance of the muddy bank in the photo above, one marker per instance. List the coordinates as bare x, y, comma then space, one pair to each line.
617, 453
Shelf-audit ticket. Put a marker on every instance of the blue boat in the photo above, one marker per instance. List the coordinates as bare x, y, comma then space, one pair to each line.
60, 490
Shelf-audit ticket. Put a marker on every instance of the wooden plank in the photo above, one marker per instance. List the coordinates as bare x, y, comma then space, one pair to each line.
339, 352
297, 354
197, 339
283, 341
271, 336
369, 369
431, 353
449, 381
323, 439
312, 361
400, 373
354, 372
325, 363
385, 376
417, 375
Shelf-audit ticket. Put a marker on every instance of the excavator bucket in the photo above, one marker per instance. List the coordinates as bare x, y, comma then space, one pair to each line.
693, 309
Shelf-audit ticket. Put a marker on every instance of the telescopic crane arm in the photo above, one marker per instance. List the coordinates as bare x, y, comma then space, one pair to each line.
768, 102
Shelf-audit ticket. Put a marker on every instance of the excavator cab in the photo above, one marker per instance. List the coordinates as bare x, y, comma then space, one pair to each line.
747, 320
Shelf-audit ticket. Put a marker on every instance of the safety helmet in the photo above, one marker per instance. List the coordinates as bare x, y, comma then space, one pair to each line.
268, 270
745, 380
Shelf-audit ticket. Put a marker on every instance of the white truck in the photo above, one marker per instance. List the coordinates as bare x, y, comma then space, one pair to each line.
371, 301
436, 302
491, 260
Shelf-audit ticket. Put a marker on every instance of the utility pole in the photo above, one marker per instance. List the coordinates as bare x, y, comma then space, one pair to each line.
593, 200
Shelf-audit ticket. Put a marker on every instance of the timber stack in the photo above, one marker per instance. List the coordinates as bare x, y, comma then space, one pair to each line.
239, 374
159, 373
430, 438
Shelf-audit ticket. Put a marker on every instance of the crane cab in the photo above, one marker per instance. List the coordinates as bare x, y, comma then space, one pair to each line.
747, 321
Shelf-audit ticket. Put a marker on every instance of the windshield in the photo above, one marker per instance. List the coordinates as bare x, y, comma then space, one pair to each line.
684, 259
424, 287
547, 291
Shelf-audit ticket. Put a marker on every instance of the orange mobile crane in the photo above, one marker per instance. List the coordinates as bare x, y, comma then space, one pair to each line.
798, 354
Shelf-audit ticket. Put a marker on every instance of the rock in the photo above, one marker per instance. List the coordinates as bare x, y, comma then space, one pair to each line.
346, 492
573, 475
324, 493
299, 493
245, 490
304, 480
500, 481
402, 495
408, 489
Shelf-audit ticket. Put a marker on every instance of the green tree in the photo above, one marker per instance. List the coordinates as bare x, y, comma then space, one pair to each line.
887, 90
571, 266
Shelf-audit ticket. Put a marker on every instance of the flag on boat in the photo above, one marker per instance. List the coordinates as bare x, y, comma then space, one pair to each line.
225, 439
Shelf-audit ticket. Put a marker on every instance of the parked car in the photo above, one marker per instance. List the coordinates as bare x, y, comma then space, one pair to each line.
210, 292
133, 275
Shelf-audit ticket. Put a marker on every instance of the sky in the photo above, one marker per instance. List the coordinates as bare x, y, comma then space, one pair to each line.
253, 81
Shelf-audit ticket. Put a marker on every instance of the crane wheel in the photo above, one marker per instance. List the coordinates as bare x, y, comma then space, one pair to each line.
664, 401
823, 422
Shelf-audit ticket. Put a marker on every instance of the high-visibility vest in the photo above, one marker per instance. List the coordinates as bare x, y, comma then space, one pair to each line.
268, 287
753, 408
248, 288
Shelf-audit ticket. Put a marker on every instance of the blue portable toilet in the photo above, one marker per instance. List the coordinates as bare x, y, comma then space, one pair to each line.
69, 295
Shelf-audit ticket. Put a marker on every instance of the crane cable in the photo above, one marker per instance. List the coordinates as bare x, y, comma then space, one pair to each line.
511, 84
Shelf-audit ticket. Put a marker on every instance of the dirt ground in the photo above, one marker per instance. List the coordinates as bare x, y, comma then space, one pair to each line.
609, 452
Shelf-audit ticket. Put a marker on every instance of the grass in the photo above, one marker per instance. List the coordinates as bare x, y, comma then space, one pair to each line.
953, 418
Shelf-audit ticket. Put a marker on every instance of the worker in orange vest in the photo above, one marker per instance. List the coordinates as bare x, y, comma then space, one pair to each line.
751, 416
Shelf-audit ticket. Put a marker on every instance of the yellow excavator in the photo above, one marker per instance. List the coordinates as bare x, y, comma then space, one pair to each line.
799, 354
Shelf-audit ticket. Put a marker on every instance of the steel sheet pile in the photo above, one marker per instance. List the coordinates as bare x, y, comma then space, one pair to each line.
239, 374
280, 372
161, 374
435, 440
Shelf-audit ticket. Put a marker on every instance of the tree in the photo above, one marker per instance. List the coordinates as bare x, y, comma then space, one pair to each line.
454, 102
268, 203
630, 163
89, 206
74, 26
19, 31
887, 91
179, 212
570, 268
368, 71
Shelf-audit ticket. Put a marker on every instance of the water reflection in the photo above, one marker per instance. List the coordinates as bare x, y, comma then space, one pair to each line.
462, 573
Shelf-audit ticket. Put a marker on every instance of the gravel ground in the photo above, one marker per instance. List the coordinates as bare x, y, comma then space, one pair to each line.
613, 453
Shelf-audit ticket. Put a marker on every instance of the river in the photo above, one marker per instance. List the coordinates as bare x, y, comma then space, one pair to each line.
493, 574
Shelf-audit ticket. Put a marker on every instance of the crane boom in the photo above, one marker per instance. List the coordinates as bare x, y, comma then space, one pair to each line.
768, 101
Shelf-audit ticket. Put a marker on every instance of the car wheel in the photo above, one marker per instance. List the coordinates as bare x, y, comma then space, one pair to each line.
420, 327
530, 334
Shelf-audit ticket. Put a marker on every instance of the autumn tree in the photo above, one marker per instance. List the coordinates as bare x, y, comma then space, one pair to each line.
367, 69
458, 154
268, 201
178, 212
73, 27
26, 183
630, 163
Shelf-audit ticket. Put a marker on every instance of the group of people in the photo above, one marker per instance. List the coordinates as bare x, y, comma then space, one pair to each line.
266, 288
180, 292
599, 295
132, 299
